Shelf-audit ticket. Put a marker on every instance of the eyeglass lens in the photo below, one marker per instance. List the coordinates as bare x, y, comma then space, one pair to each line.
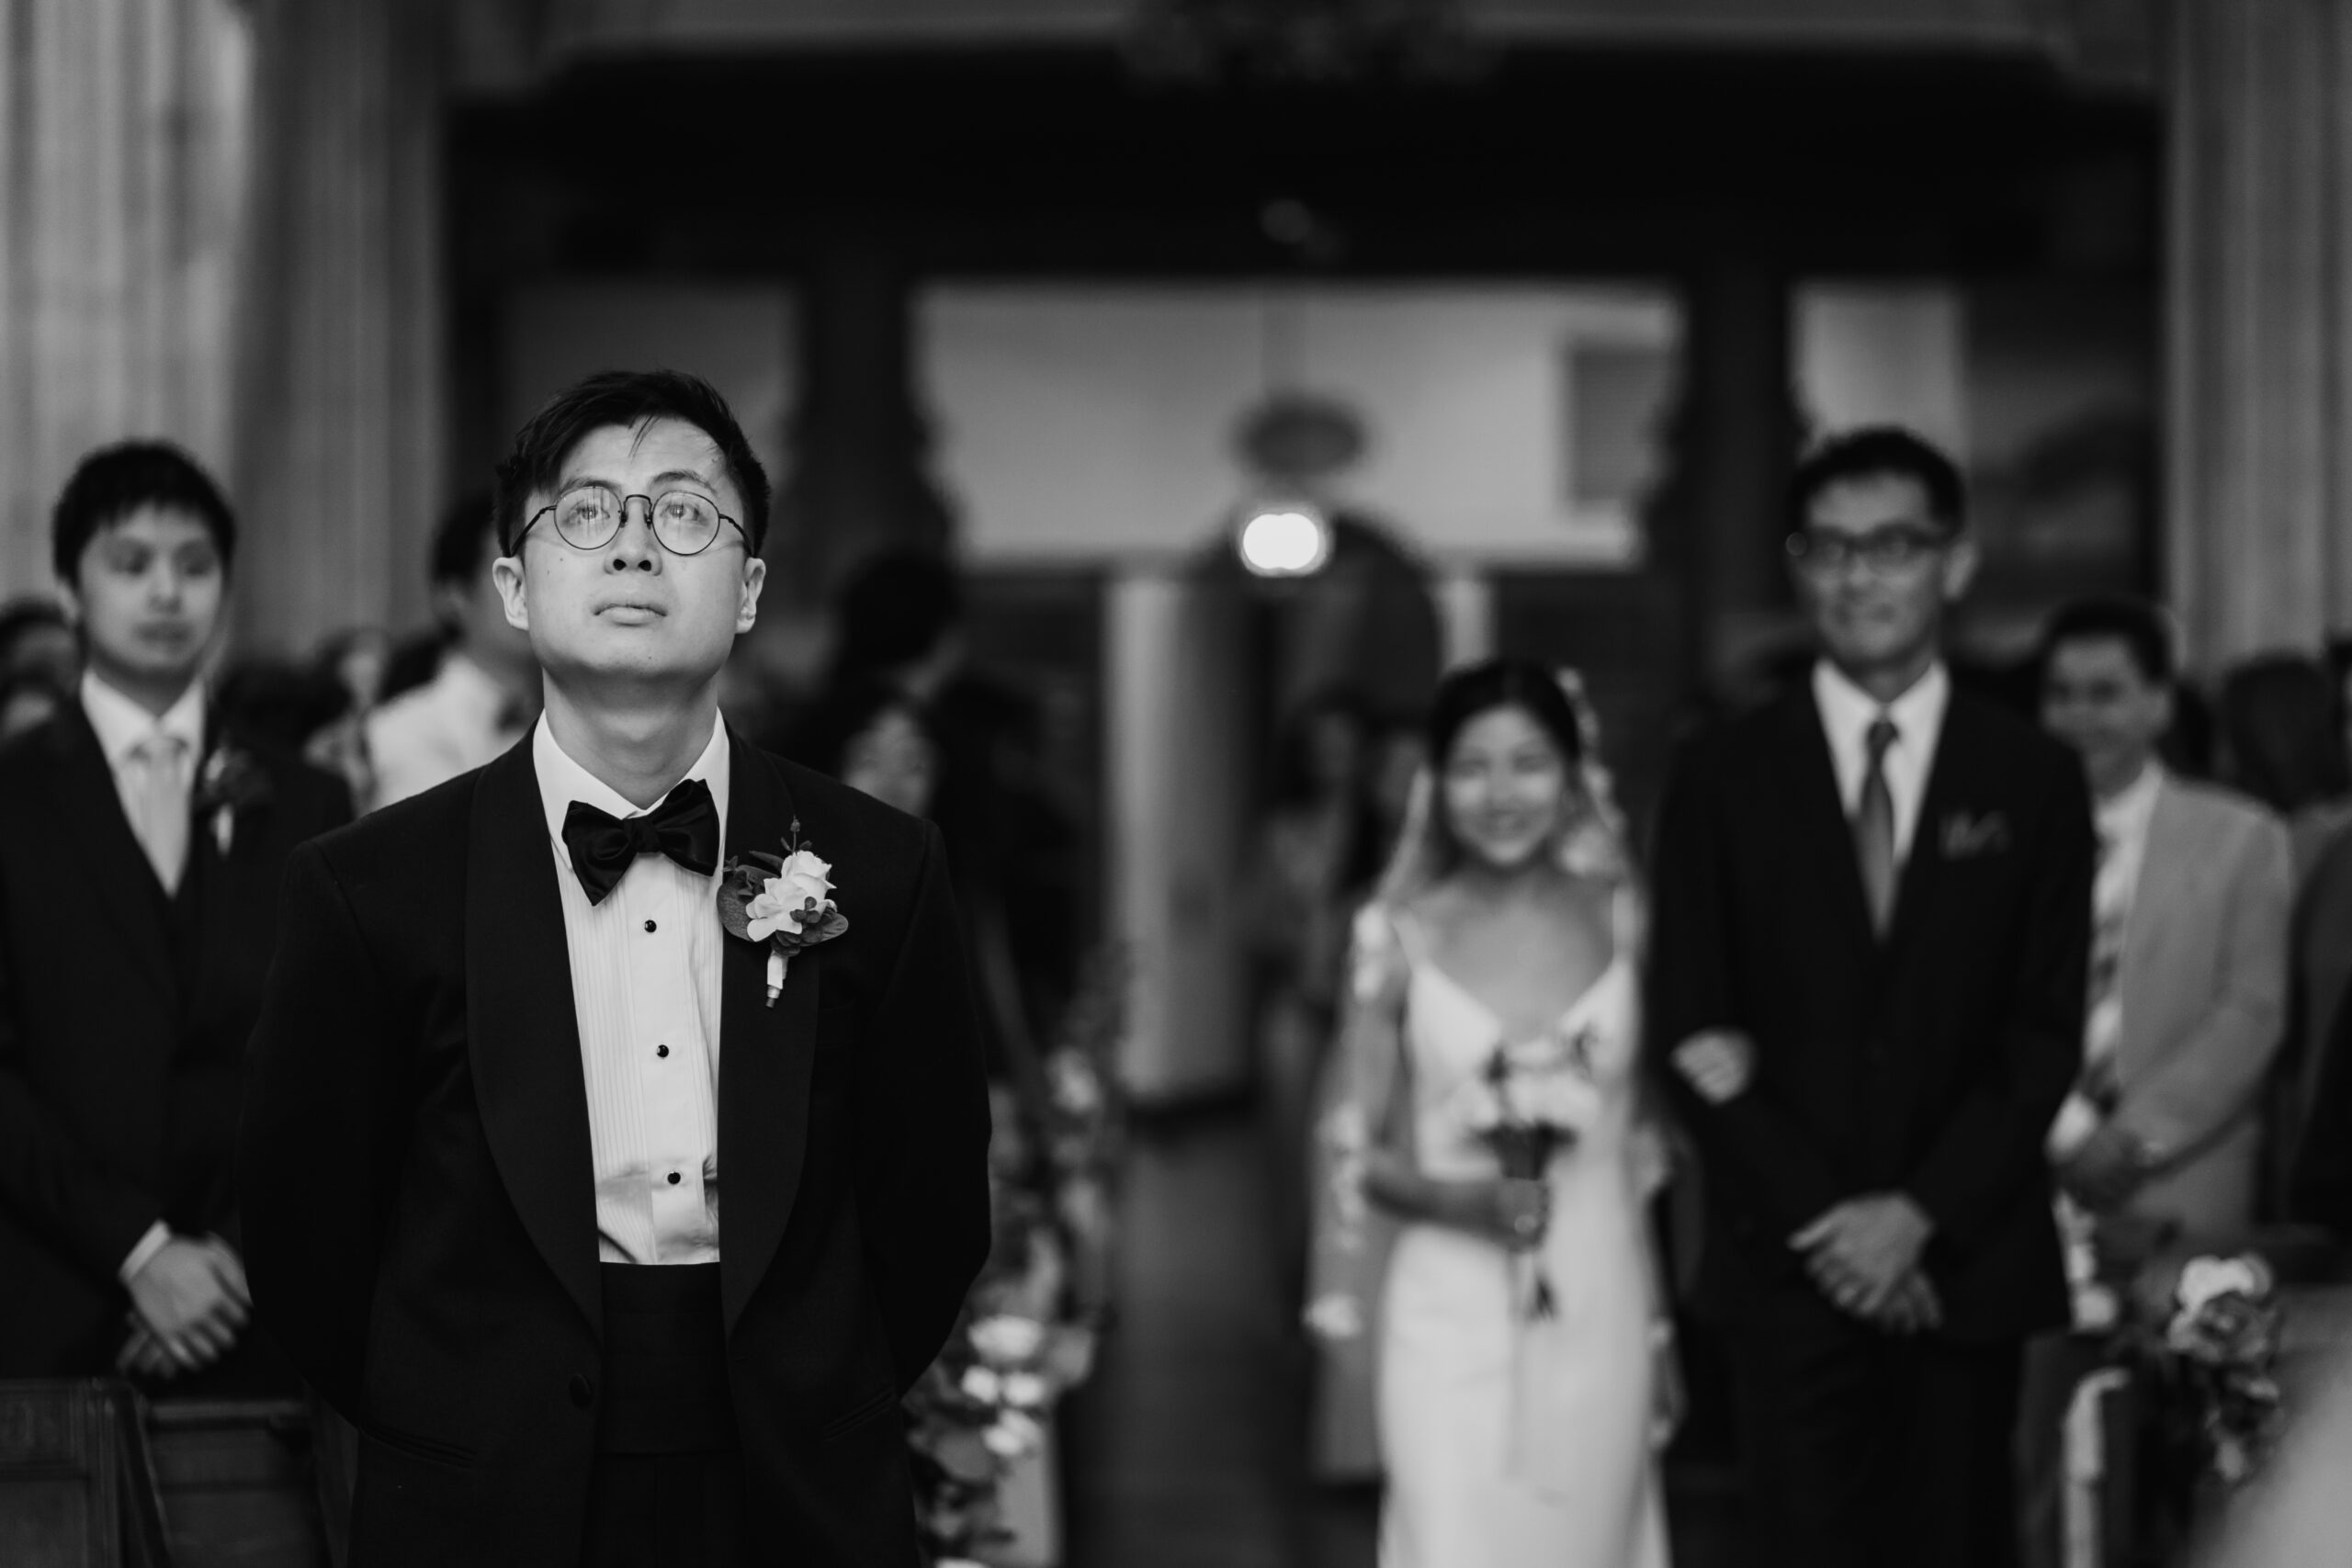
684, 521
1881, 550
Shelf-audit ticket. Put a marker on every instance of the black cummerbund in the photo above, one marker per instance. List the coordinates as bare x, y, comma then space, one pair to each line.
665, 1361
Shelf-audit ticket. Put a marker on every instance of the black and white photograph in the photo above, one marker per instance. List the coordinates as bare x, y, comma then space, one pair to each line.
1175, 784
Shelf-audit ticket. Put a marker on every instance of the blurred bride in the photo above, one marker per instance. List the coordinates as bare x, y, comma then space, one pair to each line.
1498, 1123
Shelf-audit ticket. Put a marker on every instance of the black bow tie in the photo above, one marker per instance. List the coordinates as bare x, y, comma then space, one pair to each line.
684, 826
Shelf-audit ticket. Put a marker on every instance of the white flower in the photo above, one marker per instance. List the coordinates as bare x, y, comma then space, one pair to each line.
1013, 1435
983, 1384
1006, 1340
1335, 1316
1025, 1390
785, 899
2205, 1280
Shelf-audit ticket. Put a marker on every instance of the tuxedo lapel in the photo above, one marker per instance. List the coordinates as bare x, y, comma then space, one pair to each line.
1818, 811
765, 1054
523, 1033
82, 790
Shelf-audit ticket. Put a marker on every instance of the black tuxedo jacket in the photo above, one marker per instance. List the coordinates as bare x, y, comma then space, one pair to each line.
124, 1014
1931, 1062
420, 1212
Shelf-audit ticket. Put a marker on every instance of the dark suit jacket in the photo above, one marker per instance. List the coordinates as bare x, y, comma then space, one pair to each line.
1931, 1063
421, 1220
123, 1020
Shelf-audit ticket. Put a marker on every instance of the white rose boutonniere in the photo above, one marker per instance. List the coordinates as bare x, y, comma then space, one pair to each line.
785, 902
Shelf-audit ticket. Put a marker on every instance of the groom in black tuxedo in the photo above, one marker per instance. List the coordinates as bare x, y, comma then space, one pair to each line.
617, 1234
1871, 899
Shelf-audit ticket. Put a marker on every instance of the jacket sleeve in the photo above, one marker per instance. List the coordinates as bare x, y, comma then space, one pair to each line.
921, 1107
319, 1146
1990, 1147
1749, 1144
48, 1181
2212, 1078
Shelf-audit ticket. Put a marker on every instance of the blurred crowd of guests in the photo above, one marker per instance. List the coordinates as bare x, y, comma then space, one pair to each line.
2214, 1108
133, 941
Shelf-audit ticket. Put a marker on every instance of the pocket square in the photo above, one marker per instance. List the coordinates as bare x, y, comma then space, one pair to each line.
1967, 837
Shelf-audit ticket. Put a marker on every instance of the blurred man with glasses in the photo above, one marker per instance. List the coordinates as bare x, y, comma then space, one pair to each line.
617, 1232
1867, 982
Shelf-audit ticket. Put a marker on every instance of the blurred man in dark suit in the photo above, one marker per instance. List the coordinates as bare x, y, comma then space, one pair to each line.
138, 912
1870, 906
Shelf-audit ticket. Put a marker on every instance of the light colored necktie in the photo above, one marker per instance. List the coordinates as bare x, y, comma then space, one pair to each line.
1875, 827
159, 806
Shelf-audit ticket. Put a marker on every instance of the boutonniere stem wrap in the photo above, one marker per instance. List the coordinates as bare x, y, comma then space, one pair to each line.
785, 901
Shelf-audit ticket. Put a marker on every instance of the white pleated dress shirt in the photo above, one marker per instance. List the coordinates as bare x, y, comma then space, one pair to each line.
155, 803
645, 986
1846, 713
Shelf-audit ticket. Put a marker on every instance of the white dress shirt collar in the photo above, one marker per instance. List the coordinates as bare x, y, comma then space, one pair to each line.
563, 781
2123, 817
1846, 713
121, 724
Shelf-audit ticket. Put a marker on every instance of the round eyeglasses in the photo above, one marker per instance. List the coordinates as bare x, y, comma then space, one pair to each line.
1885, 551
587, 518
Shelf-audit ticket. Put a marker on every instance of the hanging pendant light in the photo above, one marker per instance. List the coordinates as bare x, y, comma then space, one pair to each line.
1293, 443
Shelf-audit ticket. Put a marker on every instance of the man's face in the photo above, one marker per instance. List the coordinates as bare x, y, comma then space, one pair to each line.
2096, 699
630, 609
148, 591
1879, 571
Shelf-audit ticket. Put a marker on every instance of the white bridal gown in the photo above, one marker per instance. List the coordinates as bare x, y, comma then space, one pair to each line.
1514, 1442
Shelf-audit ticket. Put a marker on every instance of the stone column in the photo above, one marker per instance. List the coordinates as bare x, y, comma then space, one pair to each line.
1715, 523
2259, 323
123, 136
859, 482
339, 449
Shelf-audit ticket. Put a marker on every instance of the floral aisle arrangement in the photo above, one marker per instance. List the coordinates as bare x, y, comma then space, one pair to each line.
2208, 1362
1028, 1333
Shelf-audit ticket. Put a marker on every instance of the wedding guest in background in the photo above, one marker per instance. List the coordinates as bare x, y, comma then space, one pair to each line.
873, 738
29, 699
37, 639
358, 659
1313, 858
2186, 1001
135, 931
486, 691
2281, 739
1868, 909
1010, 849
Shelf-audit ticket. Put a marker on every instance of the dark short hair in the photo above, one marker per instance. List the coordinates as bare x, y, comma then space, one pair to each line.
2139, 625
2278, 713
624, 397
1498, 683
30, 612
461, 541
823, 736
114, 481
1873, 452
896, 610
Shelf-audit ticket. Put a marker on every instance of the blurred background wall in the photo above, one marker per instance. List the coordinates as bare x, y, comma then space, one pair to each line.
1566, 281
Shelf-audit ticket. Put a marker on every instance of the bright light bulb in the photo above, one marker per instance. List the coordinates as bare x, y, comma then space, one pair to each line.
1286, 541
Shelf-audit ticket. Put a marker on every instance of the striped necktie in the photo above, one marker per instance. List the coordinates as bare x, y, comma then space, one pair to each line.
1875, 827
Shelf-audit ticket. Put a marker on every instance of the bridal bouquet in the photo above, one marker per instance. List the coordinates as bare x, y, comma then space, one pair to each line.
1529, 1101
